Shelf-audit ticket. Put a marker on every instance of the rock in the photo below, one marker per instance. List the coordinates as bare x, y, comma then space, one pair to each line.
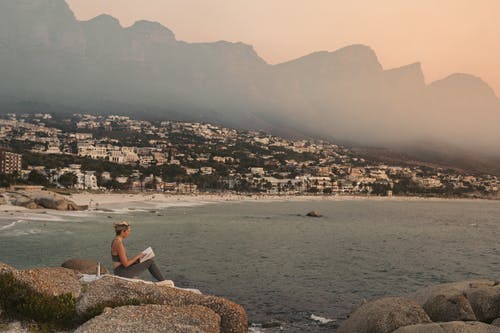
384, 316
3, 201
42, 294
485, 301
4, 268
314, 213
83, 266
52, 203
423, 295
154, 318
468, 327
451, 308
450, 327
496, 322
421, 328
31, 205
110, 291
20, 200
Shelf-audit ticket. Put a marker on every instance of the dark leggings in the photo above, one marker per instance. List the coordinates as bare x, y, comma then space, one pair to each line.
139, 267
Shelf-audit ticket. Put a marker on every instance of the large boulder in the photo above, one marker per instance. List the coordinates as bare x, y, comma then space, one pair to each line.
485, 301
423, 295
450, 327
52, 203
384, 316
154, 319
84, 266
110, 291
449, 308
42, 294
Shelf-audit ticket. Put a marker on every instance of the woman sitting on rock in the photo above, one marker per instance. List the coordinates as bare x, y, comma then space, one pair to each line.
129, 268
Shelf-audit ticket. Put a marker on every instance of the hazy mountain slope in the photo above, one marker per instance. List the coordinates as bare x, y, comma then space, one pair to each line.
49, 61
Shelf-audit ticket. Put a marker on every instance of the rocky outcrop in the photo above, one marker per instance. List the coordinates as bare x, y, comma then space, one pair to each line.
58, 297
84, 266
461, 307
154, 318
443, 308
42, 199
450, 327
42, 294
384, 316
110, 291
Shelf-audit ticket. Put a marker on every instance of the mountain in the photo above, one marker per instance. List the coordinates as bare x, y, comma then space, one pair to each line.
49, 61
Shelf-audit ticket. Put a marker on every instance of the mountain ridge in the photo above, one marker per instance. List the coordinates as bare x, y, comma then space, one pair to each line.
98, 66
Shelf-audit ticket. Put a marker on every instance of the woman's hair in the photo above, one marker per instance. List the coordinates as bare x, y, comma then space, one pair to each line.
120, 226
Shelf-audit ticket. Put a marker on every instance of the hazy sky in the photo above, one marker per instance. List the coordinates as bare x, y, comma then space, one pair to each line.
446, 36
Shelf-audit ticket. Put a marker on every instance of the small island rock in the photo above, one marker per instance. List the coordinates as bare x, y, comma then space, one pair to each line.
314, 213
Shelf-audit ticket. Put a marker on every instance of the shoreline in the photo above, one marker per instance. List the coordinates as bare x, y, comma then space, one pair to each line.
112, 202
103, 201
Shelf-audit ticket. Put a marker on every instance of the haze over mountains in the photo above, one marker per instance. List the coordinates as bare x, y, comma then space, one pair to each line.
49, 61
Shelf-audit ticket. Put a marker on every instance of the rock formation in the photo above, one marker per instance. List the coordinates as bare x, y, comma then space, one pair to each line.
58, 298
465, 307
84, 266
42, 199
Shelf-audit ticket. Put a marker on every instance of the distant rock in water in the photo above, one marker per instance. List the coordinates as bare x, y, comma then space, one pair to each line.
314, 213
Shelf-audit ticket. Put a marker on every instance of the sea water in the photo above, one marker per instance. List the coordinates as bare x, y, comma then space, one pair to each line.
296, 273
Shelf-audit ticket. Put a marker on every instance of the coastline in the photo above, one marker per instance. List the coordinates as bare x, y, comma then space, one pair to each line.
112, 202
109, 201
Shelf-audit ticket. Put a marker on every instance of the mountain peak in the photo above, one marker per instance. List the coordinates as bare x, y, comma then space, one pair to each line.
152, 30
411, 75
462, 82
105, 20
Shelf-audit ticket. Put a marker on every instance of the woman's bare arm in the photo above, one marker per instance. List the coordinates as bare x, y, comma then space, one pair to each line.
122, 254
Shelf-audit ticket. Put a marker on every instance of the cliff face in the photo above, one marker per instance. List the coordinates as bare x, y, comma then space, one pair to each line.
49, 61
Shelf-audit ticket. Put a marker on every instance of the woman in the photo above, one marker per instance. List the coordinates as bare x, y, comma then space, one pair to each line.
129, 268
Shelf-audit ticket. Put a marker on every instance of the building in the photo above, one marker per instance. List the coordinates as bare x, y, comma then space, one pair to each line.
10, 162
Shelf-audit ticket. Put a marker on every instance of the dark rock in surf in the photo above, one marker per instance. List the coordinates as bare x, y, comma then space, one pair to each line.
314, 213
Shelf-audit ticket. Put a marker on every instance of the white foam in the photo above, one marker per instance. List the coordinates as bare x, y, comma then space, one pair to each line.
255, 329
10, 225
321, 320
16, 233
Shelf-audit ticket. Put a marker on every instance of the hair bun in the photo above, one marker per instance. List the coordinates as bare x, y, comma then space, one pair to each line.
121, 225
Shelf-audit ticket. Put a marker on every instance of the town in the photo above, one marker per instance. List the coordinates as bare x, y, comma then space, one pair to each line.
117, 153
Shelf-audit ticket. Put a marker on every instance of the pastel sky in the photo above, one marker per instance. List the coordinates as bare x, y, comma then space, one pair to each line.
446, 36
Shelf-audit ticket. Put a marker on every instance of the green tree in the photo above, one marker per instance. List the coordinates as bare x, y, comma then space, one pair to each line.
68, 179
36, 178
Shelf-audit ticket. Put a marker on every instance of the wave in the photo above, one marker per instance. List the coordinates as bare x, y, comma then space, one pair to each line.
321, 320
10, 225
19, 232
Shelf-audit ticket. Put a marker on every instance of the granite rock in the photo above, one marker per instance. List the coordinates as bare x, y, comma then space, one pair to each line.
153, 319
384, 315
110, 291
442, 308
84, 266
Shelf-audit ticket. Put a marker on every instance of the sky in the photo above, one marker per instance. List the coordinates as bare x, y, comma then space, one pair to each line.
445, 36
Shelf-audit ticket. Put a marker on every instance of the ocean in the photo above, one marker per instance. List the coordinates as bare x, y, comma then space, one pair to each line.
289, 272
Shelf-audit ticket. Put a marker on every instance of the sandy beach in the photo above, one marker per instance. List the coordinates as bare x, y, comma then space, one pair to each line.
10, 214
103, 201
